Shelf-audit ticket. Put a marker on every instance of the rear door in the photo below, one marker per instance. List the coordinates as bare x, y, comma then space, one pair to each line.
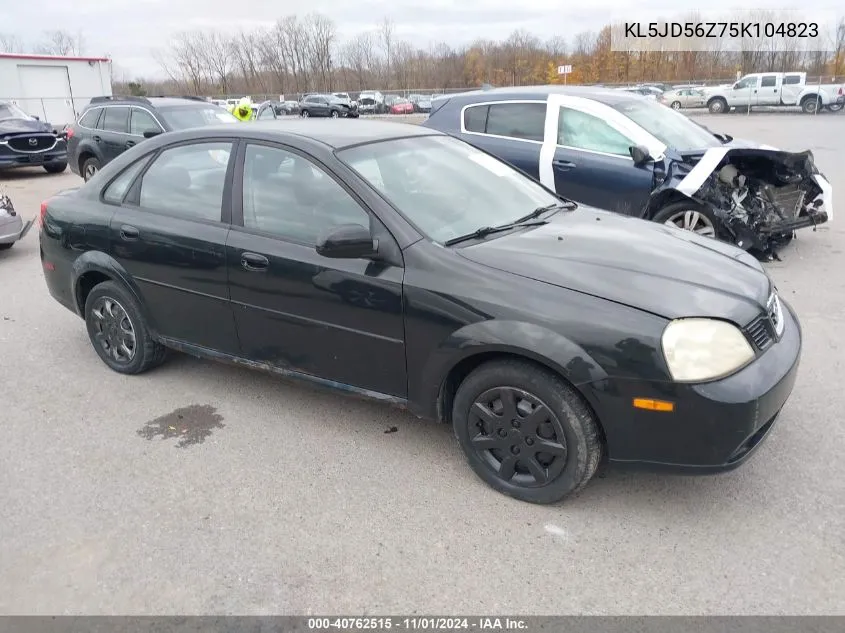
114, 132
169, 232
511, 130
768, 92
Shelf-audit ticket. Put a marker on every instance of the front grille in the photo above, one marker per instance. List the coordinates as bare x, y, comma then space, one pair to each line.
789, 199
32, 143
768, 327
761, 332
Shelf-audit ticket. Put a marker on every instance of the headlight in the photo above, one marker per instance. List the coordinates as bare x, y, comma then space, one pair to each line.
704, 349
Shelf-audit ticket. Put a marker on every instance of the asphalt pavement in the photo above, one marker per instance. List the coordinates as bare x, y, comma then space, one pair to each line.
200, 488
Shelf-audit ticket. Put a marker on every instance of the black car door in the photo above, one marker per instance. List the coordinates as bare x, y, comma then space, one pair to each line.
114, 136
338, 319
169, 233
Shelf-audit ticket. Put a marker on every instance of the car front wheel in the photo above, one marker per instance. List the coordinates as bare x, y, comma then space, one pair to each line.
55, 168
304, 114
526, 432
690, 217
118, 331
335, 114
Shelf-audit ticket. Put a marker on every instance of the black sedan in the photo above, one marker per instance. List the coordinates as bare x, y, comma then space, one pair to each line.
402, 264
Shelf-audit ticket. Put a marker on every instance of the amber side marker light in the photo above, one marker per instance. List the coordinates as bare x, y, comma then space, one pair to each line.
654, 405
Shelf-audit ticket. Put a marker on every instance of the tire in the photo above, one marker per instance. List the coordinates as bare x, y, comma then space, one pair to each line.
835, 107
335, 114
569, 426
145, 353
676, 105
5, 247
90, 168
809, 105
305, 114
55, 168
701, 219
717, 106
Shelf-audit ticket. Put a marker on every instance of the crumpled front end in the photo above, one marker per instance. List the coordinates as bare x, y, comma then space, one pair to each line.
760, 195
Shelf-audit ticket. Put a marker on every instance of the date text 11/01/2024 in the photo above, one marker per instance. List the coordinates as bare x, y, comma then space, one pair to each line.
416, 623
721, 29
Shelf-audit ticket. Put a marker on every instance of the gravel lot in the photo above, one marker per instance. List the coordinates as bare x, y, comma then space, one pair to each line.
299, 502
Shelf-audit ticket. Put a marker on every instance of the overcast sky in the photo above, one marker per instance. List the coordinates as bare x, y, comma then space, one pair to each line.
128, 30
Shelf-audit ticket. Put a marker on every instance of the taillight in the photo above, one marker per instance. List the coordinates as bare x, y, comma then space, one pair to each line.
69, 133
842, 91
42, 214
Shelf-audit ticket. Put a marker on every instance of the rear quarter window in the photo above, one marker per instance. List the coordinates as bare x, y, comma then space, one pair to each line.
89, 119
525, 121
475, 118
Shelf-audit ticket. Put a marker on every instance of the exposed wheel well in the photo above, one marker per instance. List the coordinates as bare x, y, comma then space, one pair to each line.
85, 284
810, 97
463, 369
664, 198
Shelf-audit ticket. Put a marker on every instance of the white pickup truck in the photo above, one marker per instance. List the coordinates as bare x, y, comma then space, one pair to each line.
776, 89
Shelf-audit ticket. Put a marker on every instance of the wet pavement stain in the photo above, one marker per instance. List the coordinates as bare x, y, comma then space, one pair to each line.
192, 425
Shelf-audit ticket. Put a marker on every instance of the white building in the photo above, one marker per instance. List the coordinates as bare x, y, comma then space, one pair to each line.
53, 88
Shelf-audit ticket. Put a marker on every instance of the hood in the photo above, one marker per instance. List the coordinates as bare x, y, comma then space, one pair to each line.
23, 126
652, 267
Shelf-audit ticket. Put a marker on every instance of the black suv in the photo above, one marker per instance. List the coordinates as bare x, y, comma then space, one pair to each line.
26, 141
110, 125
327, 105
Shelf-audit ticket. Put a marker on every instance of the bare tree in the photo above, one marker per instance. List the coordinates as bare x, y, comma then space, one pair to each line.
184, 60
387, 33
61, 43
320, 33
215, 53
357, 55
10, 43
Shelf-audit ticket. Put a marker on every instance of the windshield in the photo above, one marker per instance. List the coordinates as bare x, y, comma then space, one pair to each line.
672, 128
444, 186
11, 111
184, 117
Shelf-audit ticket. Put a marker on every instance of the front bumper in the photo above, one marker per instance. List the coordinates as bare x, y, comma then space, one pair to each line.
715, 426
12, 160
13, 229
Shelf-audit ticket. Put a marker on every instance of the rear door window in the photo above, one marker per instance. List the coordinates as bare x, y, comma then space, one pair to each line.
526, 121
116, 119
142, 121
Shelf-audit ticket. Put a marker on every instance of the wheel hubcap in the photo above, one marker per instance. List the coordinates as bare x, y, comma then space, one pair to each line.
90, 170
113, 329
676, 106
518, 436
693, 221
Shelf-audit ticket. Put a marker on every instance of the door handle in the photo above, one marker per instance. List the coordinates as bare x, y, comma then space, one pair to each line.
254, 262
563, 164
97, 139
129, 233
130, 143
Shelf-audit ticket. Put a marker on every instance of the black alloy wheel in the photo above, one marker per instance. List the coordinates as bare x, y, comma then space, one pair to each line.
118, 330
526, 431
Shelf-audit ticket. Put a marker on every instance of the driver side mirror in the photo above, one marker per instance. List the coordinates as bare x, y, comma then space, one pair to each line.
736, 86
37, 118
640, 155
151, 133
348, 241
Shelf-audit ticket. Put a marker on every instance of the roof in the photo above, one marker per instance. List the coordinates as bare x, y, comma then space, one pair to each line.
604, 95
64, 58
336, 133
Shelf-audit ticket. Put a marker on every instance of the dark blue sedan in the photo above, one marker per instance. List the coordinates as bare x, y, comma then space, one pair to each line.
624, 153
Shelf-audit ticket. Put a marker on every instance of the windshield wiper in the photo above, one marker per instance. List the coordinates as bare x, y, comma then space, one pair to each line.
484, 231
536, 213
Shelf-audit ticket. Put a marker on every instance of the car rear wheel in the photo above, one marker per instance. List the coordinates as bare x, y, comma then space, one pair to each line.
118, 331
810, 105
90, 168
5, 247
676, 105
690, 217
526, 432
55, 168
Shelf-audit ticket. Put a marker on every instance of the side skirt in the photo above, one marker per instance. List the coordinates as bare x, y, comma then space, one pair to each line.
230, 359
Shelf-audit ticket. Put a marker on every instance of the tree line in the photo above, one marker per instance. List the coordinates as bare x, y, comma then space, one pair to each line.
306, 53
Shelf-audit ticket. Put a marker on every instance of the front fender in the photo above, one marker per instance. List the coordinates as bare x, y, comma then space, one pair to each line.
100, 262
527, 340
